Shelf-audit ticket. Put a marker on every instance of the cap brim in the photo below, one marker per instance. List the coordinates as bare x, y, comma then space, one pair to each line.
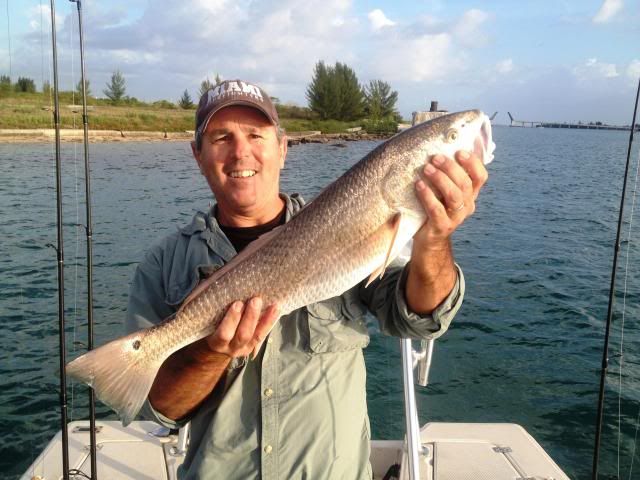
234, 103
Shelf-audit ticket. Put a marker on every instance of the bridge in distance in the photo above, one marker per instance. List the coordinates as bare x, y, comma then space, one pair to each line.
581, 126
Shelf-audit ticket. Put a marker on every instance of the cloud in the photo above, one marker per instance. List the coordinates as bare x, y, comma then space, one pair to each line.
608, 10
273, 43
504, 66
592, 67
424, 58
429, 49
467, 30
633, 70
378, 20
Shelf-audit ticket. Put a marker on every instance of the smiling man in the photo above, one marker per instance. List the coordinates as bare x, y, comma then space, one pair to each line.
298, 409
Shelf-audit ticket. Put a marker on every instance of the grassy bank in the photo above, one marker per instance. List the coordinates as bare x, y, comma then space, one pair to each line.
34, 110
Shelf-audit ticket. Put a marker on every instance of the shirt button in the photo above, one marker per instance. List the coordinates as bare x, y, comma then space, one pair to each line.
269, 340
268, 449
268, 392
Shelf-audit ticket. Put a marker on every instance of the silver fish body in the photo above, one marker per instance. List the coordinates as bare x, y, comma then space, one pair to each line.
352, 230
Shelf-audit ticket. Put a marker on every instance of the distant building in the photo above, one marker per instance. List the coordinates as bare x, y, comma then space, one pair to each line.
419, 117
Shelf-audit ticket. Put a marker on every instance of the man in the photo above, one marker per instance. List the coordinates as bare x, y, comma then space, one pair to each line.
298, 409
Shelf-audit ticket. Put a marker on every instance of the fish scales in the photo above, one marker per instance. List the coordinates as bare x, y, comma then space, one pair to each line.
353, 228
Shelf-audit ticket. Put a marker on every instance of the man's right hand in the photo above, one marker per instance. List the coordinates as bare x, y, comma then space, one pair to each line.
188, 376
243, 328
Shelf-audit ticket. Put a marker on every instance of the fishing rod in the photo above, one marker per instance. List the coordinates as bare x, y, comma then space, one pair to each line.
605, 352
60, 254
89, 239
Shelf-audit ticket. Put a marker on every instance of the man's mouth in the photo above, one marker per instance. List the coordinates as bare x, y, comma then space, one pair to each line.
242, 173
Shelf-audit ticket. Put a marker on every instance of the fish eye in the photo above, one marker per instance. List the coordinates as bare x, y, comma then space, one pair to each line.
452, 135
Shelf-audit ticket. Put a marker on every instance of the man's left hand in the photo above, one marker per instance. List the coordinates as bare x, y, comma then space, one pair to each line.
448, 194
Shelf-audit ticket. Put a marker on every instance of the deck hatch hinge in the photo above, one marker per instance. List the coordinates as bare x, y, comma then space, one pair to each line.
85, 429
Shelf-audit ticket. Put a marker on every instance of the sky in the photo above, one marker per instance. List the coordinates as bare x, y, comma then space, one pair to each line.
540, 60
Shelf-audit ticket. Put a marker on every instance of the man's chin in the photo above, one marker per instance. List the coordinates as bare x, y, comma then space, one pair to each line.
240, 204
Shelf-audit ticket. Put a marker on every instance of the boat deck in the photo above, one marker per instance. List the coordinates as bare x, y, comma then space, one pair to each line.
453, 451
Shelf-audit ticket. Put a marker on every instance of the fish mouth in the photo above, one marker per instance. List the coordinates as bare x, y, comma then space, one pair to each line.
242, 173
483, 145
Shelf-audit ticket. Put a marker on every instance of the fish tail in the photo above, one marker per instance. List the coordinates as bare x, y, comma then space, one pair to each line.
120, 373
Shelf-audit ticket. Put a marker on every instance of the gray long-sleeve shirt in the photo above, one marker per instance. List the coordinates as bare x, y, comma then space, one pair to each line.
299, 409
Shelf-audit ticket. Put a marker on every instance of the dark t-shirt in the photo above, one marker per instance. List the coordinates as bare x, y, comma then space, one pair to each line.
240, 237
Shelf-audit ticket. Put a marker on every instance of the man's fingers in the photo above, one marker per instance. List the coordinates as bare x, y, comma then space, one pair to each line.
430, 202
263, 328
227, 328
268, 319
243, 327
454, 171
475, 169
444, 185
246, 327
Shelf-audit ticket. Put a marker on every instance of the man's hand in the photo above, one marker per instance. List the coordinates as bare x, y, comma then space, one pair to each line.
448, 194
243, 328
188, 376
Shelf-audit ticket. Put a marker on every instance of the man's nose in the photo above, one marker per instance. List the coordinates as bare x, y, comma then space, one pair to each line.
241, 146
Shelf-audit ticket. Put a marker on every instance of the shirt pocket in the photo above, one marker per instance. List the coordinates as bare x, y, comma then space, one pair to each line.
337, 325
179, 290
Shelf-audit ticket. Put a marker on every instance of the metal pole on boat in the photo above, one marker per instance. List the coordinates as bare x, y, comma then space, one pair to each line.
605, 348
60, 254
423, 358
89, 233
414, 445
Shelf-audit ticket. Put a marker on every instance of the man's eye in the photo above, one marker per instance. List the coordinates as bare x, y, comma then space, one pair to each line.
255, 135
218, 139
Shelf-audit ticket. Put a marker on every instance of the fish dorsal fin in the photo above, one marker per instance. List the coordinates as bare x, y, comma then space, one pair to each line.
242, 256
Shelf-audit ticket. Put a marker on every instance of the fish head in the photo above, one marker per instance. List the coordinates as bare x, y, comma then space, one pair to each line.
468, 130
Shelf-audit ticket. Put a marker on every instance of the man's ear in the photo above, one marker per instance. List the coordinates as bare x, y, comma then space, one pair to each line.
283, 150
196, 154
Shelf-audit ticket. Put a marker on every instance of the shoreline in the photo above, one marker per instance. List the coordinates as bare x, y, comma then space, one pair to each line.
46, 135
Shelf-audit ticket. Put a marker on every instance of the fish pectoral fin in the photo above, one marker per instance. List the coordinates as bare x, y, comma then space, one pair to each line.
393, 227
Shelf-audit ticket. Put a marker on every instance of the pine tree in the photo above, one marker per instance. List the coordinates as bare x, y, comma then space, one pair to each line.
115, 87
334, 92
5, 84
350, 94
380, 100
318, 91
185, 101
25, 84
204, 86
87, 87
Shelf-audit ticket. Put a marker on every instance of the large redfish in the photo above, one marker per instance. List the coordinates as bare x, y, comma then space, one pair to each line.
351, 231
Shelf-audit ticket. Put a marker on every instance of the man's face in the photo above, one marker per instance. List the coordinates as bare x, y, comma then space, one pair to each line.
241, 159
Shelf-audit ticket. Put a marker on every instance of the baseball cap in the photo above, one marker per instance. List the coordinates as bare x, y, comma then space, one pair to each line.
232, 92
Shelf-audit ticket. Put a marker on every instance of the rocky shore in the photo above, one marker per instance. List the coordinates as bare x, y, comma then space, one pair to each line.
76, 135
334, 138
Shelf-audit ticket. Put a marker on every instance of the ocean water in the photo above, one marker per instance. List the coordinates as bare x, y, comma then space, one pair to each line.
525, 348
